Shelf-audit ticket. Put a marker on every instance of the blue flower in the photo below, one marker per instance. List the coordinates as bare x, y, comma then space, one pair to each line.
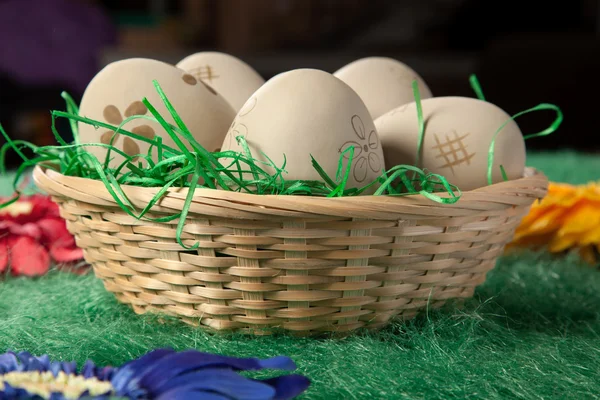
161, 374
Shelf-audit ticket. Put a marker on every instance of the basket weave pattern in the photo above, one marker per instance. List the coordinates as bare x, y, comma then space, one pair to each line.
304, 264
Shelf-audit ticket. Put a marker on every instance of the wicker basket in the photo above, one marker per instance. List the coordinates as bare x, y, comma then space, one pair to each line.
304, 264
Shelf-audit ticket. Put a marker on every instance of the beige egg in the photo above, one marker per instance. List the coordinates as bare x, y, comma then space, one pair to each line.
458, 134
382, 83
231, 77
117, 91
308, 112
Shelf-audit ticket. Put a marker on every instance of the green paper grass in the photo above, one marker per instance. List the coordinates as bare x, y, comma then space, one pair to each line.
190, 165
166, 167
531, 332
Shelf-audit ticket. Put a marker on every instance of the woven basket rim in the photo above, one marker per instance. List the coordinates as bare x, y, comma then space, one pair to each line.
533, 185
303, 264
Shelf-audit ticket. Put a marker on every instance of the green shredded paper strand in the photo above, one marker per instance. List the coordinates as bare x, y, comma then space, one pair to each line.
540, 107
189, 165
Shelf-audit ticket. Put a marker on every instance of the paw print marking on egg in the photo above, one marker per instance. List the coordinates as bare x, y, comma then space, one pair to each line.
364, 158
113, 116
189, 79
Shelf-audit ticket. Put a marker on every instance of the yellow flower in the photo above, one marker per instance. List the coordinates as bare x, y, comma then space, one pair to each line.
567, 219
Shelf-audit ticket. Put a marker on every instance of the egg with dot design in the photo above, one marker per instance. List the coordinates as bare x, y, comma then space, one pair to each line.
117, 91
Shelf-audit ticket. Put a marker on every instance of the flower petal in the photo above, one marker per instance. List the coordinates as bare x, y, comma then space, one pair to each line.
357, 149
581, 219
548, 222
32, 363
157, 370
591, 237
127, 376
28, 257
66, 254
373, 140
562, 243
221, 381
54, 229
360, 169
374, 162
358, 126
67, 367
288, 386
8, 362
180, 363
190, 393
29, 229
3, 254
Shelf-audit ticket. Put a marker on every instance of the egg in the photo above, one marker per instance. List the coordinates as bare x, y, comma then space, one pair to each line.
458, 134
382, 83
307, 112
231, 77
117, 91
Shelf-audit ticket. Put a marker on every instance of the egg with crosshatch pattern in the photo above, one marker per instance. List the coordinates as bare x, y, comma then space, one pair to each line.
117, 91
231, 77
458, 134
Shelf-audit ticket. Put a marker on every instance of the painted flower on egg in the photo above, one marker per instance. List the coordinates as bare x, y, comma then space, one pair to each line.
364, 157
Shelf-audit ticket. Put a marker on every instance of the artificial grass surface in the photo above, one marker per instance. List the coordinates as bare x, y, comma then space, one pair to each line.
531, 332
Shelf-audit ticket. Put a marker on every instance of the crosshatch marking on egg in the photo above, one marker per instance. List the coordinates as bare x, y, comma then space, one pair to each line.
189, 79
204, 73
364, 158
453, 151
135, 108
248, 107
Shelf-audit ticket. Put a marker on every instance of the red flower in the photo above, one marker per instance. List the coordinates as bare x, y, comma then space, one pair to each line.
32, 233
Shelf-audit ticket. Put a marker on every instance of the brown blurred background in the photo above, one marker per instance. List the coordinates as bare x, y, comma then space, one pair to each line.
524, 52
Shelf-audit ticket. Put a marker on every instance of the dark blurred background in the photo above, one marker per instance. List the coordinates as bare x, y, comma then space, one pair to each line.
524, 52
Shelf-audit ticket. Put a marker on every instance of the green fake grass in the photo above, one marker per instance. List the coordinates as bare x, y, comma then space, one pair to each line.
532, 331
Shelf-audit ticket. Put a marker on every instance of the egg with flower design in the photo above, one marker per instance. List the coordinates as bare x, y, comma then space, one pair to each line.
308, 112
117, 92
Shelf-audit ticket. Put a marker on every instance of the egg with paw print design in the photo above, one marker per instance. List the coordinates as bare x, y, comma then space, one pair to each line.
117, 91
308, 112
456, 141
